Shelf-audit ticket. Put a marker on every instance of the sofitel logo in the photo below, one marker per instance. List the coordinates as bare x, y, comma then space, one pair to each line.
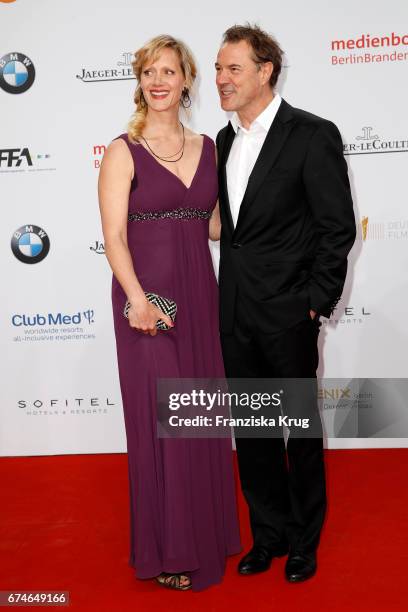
370, 143
78, 406
75, 401
349, 315
123, 72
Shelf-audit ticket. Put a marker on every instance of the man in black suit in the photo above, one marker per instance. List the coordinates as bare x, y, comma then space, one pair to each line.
287, 227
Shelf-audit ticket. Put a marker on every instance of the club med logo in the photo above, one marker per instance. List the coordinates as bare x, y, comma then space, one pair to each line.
396, 229
122, 72
59, 318
363, 47
99, 248
23, 160
30, 244
98, 152
17, 73
53, 326
368, 142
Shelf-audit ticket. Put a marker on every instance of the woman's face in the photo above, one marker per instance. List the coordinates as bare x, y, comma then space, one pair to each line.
162, 81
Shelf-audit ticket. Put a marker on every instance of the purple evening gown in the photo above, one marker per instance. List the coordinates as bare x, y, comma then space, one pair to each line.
183, 515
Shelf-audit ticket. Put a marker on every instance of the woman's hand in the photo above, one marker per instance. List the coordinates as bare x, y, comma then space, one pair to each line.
143, 317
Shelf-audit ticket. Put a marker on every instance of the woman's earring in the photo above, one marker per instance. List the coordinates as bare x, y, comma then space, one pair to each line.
185, 100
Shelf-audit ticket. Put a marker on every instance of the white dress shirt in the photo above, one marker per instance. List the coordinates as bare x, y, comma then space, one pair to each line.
244, 153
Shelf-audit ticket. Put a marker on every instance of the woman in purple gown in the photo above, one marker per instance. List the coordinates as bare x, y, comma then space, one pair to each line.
158, 201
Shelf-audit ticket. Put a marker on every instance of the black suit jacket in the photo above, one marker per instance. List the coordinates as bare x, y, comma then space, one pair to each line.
288, 251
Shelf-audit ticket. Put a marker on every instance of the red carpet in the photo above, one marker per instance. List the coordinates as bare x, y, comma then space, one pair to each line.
64, 526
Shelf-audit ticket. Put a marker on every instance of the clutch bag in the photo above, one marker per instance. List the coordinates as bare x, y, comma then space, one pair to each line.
166, 305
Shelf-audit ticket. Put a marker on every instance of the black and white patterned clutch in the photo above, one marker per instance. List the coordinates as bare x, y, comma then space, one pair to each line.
169, 307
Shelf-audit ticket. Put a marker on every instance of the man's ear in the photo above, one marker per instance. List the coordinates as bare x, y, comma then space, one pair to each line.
267, 70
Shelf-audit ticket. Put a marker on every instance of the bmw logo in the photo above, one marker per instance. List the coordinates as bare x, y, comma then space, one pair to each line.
30, 244
17, 73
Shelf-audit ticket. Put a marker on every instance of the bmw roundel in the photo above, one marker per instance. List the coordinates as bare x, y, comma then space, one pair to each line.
17, 73
30, 244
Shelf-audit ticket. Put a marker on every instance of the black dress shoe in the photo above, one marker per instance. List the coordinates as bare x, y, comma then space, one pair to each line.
259, 559
300, 567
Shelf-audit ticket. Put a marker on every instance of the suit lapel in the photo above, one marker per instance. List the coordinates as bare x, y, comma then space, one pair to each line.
225, 150
274, 141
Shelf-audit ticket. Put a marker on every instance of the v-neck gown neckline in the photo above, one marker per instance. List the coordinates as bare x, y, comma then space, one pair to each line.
183, 515
173, 173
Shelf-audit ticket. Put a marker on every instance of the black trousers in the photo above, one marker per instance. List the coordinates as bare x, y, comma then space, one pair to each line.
283, 486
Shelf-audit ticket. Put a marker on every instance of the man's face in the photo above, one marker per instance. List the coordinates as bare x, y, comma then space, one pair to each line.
240, 81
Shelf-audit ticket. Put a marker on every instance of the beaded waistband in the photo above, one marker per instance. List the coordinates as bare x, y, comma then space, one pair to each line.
178, 213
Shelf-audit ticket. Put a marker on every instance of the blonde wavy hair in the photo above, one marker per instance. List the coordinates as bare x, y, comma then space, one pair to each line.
149, 52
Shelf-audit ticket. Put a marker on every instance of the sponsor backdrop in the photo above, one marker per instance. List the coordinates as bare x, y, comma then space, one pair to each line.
66, 90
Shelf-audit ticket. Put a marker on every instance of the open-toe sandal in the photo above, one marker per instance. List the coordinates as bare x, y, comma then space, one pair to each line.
173, 581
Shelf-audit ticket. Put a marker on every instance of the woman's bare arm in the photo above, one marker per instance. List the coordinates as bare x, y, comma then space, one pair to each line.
115, 178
